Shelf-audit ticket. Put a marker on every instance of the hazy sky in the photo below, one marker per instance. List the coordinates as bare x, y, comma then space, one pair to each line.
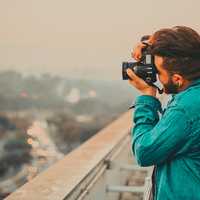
88, 38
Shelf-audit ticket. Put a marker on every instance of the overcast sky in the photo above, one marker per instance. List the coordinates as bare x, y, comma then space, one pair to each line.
87, 38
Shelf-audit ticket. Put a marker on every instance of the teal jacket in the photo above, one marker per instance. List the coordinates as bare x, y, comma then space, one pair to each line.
171, 143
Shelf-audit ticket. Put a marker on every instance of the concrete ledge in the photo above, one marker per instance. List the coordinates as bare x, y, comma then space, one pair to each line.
61, 180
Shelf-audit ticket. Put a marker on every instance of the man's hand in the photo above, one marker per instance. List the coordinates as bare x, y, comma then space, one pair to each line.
136, 81
137, 52
140, 84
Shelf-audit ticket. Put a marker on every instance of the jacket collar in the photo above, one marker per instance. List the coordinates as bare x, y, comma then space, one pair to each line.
194, 83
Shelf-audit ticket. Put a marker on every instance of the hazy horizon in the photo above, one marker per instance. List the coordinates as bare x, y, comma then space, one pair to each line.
82, 38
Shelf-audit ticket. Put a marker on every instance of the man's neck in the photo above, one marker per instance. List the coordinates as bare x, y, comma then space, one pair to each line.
185, 85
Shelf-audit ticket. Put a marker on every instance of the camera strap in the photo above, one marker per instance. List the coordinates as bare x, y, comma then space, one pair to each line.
160, 91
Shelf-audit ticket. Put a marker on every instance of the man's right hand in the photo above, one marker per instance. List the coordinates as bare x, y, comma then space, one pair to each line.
137, 51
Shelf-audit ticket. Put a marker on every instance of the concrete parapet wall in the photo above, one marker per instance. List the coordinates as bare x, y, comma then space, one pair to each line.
84, 173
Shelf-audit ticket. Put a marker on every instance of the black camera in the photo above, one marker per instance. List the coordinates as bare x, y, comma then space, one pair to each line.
145, 68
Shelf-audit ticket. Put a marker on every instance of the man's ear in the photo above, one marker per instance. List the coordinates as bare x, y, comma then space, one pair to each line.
178, 79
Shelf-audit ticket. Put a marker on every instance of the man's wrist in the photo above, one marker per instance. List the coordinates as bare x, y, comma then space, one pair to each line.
150, 92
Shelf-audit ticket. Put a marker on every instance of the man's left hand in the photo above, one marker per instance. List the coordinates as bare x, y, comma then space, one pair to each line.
140, 84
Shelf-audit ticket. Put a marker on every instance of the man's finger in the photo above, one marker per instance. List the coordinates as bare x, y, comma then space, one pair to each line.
133, 76
137, 52
136, 80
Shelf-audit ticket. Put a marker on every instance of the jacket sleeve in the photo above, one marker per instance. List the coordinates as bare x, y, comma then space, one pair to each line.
154, 141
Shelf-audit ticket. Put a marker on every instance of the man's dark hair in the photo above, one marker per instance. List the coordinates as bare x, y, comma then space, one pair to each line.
180, 49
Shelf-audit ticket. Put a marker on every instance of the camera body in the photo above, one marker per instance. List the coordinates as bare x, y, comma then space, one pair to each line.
145, 68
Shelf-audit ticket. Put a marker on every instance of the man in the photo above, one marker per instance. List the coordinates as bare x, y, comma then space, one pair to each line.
171, 143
